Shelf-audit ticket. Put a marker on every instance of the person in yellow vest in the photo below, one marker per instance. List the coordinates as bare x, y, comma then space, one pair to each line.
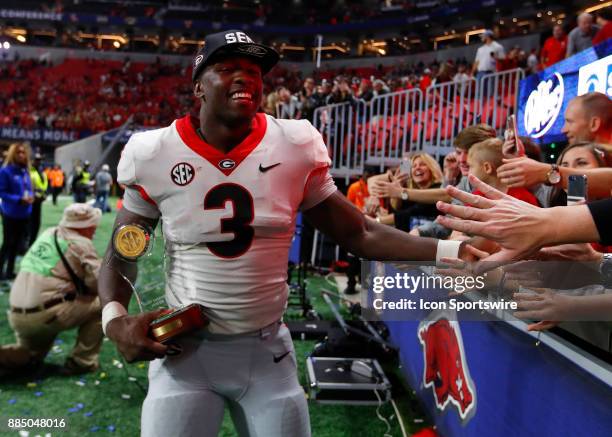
81, 183
39, 187
56, 181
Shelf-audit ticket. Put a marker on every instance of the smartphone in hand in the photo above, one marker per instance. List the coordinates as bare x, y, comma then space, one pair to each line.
512, 132
405, 166
577, 189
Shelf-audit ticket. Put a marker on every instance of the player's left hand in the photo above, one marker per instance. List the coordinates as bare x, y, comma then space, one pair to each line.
522, 172
463, 265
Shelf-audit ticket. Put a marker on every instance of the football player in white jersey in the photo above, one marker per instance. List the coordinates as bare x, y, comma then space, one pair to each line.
227, 187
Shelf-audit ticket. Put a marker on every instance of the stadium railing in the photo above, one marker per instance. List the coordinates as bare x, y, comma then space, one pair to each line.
497, 96
383, 130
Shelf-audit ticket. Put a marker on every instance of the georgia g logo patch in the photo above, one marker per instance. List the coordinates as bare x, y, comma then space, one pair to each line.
226, 164
182, 173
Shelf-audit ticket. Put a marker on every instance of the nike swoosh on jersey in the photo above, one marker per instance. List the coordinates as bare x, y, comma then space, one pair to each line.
278, 358
265, 169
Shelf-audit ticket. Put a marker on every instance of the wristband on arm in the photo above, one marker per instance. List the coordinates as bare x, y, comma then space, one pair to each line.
447, 249
111, 311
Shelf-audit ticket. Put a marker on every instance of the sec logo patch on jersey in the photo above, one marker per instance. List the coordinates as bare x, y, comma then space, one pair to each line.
182, 173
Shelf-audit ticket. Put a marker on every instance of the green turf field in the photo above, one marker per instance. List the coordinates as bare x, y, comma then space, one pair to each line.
108, 401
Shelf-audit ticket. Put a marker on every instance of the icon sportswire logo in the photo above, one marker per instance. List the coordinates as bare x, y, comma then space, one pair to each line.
543, 106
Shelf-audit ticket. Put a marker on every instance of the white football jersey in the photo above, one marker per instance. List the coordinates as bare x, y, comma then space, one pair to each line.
228, 219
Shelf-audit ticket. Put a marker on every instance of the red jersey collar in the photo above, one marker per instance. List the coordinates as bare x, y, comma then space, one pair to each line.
225, 162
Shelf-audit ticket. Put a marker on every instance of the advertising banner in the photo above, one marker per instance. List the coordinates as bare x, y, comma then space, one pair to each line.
57, 136
493, 377
543, 97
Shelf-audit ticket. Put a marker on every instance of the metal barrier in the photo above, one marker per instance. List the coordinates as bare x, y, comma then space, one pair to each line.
449, 108
392, 127
497, 97
382, 131
340, 125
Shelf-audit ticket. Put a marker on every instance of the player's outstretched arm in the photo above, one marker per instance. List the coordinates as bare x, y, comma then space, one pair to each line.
339, 219
129, 333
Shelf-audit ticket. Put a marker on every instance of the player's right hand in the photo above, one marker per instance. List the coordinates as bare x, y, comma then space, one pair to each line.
130, 335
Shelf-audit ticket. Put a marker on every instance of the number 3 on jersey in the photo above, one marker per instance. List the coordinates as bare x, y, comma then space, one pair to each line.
239, 224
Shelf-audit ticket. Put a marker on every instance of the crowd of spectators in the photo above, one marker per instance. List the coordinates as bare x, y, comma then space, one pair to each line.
96, 95
295, 98
91, 95
421, 198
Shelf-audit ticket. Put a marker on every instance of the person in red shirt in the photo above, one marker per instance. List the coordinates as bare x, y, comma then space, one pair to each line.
484, 158
554, 48
357, 192
604, 20
425, 80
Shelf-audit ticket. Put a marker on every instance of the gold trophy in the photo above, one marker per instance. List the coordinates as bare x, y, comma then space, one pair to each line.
131, 242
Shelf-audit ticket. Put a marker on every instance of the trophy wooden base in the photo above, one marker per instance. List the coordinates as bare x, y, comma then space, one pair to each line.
177, 322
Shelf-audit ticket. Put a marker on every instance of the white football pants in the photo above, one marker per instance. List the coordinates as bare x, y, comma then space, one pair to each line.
255, 375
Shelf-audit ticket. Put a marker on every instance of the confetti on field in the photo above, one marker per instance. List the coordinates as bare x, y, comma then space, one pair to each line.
12, 401
111, 428
76, 408
31, 385
38, 394
131, 379
94, 429
102, 375
141, 365
96, 382
118, 364
80, 383
57, 349
88, 414
58, 341
125, 396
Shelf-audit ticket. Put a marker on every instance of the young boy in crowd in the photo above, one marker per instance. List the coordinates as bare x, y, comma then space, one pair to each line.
483, 159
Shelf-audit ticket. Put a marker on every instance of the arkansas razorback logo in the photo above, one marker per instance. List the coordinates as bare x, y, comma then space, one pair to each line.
445, 369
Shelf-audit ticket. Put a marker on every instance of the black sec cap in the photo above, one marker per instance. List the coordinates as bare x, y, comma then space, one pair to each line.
235, 42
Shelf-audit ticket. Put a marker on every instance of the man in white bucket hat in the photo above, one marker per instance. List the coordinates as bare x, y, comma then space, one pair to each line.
56, 290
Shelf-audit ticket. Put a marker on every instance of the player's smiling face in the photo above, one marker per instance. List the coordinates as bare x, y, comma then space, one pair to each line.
232, 86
